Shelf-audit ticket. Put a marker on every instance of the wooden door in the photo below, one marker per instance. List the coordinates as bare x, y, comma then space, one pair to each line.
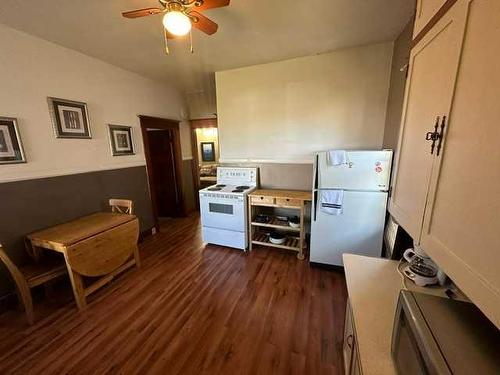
461, 227
426, 9
429, 91
161, 153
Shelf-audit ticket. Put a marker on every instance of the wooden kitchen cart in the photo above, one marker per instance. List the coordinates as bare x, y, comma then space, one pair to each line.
290, 199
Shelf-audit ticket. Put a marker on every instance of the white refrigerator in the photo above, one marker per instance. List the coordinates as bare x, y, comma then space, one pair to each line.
364, 178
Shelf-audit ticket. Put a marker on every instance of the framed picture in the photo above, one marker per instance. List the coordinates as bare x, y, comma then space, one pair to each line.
121, 141
207, 151
70, 118
11, 148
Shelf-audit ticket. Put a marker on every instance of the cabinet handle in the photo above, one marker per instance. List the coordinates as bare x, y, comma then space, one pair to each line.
349, 344
441, 135
433, 136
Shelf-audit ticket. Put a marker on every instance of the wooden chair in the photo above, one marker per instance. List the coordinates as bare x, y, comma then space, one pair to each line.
30, 276
121, 206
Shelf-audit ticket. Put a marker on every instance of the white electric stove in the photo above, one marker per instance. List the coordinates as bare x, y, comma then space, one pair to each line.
224, 207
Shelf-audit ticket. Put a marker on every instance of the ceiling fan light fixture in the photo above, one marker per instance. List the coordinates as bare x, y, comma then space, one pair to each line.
177, 23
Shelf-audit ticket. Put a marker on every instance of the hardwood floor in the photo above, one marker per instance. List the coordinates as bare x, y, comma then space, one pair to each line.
191, 309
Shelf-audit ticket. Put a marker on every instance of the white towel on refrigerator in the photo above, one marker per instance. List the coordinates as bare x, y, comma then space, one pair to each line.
337, 157
331, 202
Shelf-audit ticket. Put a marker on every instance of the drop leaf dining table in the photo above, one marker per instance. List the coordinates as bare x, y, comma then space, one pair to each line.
100, 245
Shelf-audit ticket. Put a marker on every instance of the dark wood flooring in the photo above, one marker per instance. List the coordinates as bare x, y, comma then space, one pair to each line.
191, 309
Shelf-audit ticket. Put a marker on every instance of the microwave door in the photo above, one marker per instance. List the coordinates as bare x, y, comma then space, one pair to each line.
414, 348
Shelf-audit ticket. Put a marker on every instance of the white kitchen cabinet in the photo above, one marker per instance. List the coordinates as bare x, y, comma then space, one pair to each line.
461, 229
355, 366
426, 9
429, 91
450, 201
348, 339
351, 355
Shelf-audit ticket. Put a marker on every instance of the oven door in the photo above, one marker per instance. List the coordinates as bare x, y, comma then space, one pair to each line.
224, 212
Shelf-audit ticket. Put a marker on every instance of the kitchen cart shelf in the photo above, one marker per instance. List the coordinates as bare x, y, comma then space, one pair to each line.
291, 243
288, 199
276, 224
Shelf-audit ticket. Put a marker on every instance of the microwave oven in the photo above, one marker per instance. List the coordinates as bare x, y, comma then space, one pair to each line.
436, 335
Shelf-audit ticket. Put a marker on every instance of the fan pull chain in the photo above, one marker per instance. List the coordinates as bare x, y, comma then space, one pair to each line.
166, 41
191, 40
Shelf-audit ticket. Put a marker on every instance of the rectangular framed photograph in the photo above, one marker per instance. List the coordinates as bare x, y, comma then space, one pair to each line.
70, 118
11, 148
121, 140
207, 151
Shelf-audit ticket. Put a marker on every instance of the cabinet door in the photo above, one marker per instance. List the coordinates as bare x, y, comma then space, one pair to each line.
348, 339
461, 228
355, 366
426, 9
429, 91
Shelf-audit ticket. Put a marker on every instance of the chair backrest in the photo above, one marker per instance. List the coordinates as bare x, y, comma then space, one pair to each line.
13, 269
121, 206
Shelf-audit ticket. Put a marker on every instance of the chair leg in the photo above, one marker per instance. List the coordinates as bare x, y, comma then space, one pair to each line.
24, 294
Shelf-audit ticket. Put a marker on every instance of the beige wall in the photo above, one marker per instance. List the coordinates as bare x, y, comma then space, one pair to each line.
202, 104
208, 135
397, 88
32, 69
285, 111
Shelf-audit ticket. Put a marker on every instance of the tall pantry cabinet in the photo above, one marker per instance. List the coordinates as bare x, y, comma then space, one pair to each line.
425, 10
446, 186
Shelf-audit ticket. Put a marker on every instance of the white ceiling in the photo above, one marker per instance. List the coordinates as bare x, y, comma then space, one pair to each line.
250, 32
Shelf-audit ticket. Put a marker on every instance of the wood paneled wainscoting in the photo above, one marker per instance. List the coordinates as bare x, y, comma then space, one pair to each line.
191, 309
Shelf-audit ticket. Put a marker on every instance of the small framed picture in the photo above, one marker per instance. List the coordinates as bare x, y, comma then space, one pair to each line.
121, 141
207, 151
11, 148
70, 118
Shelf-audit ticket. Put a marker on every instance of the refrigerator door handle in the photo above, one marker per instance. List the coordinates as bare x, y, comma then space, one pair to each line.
316, 172
315, 204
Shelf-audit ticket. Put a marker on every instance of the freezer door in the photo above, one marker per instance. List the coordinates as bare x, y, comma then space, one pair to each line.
359, 230
366, 170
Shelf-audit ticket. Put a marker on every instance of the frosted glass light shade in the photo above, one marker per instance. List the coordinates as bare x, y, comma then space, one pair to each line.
177, 23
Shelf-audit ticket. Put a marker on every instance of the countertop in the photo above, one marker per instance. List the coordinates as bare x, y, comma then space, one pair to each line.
293, 194
373, 285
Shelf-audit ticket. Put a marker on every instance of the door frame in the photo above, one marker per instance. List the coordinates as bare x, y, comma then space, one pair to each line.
202, 123
149, 122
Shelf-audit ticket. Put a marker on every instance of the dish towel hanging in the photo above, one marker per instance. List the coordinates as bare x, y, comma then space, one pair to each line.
337, 157
332, 202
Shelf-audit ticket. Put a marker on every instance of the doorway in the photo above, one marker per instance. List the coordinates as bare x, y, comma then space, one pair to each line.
205, 145
162, 148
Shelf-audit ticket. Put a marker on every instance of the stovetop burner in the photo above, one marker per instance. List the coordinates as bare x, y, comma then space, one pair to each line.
220, 186
244, 187
237, 191
214, 189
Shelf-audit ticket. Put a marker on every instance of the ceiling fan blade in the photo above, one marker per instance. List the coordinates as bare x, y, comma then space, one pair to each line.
204, 24
208, 4
141, 12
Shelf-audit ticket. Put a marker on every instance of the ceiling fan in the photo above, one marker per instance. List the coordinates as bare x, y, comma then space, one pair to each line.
181, 15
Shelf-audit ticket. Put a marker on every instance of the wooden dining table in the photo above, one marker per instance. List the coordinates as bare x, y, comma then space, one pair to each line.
100, 245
